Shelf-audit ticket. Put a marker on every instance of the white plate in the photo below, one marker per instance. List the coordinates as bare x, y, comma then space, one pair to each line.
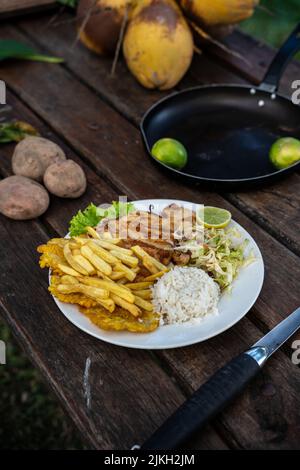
232, 307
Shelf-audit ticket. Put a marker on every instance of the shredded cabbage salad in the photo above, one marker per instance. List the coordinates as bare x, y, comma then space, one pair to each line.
221, 254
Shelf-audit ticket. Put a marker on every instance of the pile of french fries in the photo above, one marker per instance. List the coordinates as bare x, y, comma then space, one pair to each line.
98, 268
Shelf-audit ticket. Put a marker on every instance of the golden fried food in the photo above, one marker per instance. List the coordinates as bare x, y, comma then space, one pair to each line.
96, 261
122, 320
139, 285
144, 304
143, 293
92, 272
78, 299
153, 277
133, 309
73, 262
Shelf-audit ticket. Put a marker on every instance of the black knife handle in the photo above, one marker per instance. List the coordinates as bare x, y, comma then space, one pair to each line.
204, 404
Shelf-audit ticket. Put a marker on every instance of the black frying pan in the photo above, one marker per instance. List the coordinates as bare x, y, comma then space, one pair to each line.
229, 129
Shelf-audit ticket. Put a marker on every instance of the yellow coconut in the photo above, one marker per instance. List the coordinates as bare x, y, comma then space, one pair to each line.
99, 23
218, 12
158, 44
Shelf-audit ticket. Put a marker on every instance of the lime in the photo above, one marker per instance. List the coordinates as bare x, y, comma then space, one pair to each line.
171, 152
214, 217
285, 152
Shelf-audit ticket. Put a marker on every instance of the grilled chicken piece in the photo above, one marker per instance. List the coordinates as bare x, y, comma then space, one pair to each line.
180, 219
181, 258
137, 225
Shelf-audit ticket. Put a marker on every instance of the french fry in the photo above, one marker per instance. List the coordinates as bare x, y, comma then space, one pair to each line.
99, 263
130, 261
58, 241
73, 245
111, 246
128, 273
84, 263
103, 276
94, 292
143, 304
149, 265
67, 270
142, 254
156, 276
82, 241
116, 276
92, 232
109, 304
139, 285
112, 287
67, 279
157, 264
72, 262
108, 237
104, 254
133, 309
144, 294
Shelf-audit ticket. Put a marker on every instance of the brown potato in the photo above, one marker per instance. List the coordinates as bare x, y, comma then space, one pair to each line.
33, 155
65, 179
22, 198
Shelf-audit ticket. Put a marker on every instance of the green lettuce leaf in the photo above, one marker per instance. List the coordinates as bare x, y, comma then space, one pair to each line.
92, 215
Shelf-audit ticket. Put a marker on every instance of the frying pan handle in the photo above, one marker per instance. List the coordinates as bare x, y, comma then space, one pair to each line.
284, 55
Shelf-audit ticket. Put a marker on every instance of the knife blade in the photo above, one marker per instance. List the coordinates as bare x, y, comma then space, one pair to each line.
220, 389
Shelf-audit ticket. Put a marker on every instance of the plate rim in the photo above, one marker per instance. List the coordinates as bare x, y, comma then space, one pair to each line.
186, 343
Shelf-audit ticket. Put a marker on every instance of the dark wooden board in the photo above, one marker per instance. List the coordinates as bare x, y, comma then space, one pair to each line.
10, 8
89, 116
194, 367
265, 205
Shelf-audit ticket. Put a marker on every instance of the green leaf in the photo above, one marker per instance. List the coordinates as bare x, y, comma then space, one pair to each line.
15, 131
83, 219
10, 49
92, 215
69, 3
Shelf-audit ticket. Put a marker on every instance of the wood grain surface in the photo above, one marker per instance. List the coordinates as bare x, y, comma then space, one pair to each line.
95, 118
13, 7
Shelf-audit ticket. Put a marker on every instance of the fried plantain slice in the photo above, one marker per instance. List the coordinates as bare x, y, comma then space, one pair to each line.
122, 320
78, 299
52, 248
52, 256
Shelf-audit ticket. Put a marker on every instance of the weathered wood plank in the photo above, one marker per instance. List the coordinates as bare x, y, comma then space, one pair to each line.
232, 344
125, 403
14, 7
94, 419
199, 362
270, 212
263, 417
255, 58
114, 149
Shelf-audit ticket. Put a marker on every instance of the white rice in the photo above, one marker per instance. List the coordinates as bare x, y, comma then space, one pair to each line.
185, 294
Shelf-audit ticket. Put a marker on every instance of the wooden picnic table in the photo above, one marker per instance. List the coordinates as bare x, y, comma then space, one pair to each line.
95, 118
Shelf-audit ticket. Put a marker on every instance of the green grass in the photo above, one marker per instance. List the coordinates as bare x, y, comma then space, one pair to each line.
273, 20
31, 417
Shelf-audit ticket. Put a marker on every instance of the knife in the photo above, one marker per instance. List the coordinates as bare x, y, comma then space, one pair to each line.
220, 389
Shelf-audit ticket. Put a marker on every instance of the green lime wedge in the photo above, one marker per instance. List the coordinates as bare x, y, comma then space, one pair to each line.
214, 217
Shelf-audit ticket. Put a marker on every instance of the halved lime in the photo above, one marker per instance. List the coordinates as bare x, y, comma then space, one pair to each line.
170, 152
285, 152
214, 217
